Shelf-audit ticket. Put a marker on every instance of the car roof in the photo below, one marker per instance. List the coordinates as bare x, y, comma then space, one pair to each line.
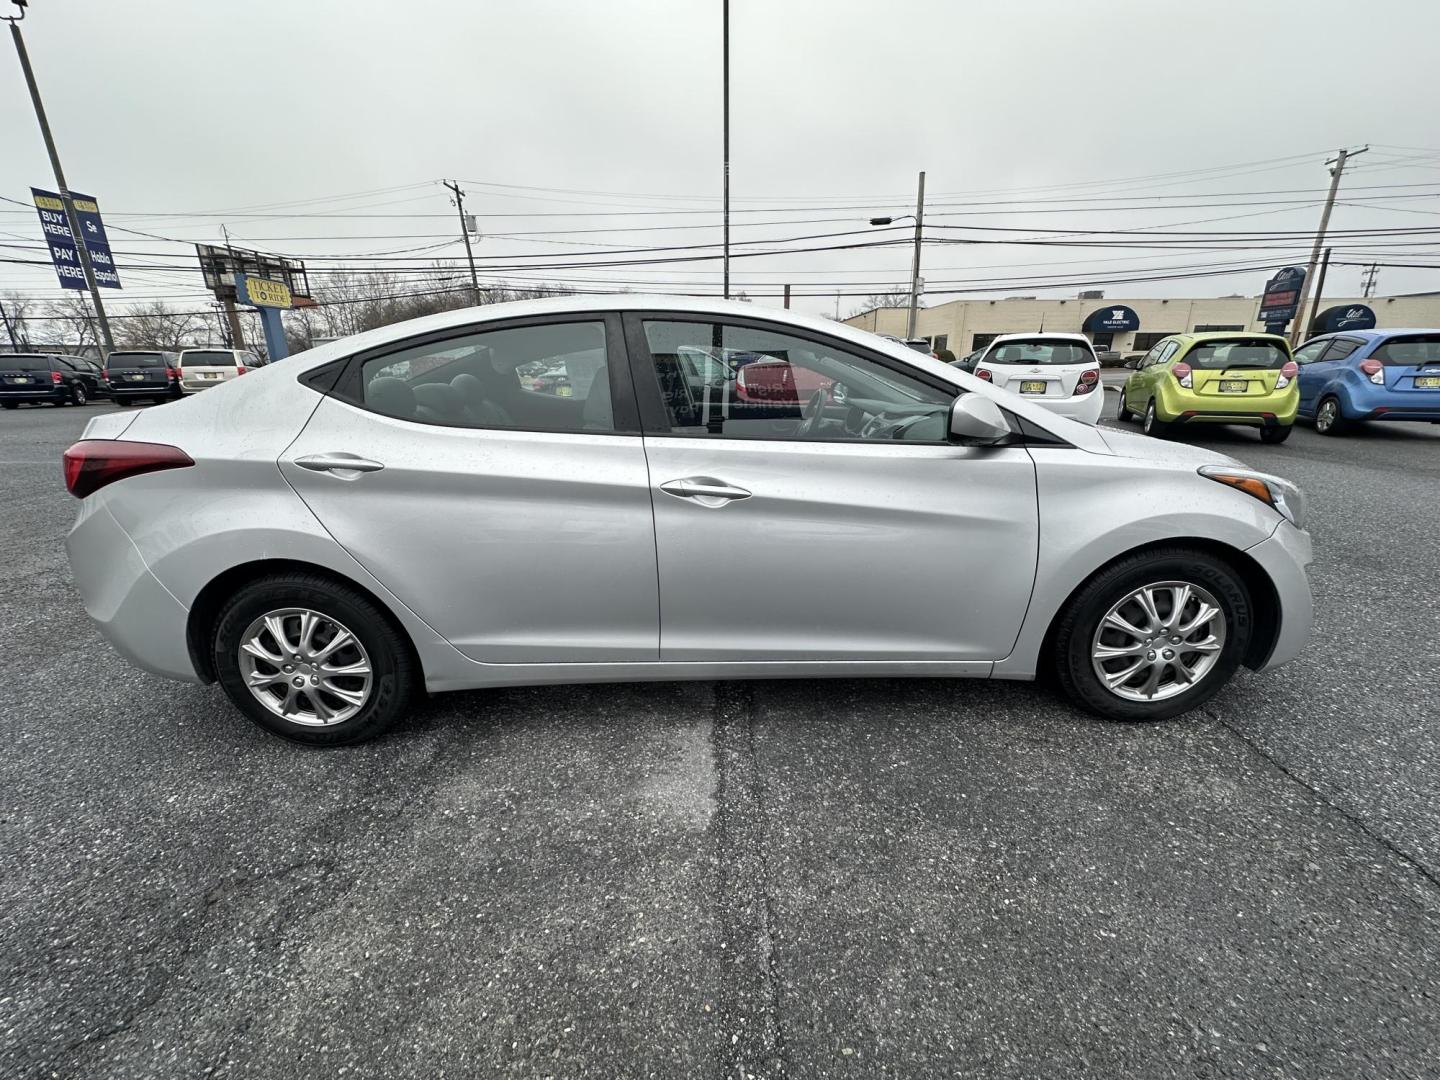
1230, 335
1052, 335
1372, 335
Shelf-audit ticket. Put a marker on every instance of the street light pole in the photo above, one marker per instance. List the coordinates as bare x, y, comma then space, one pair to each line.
70, 217
915, 262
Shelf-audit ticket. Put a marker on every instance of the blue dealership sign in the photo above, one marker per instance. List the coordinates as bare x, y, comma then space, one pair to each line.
63, 252
1282, 295
1344, 317
1115, 319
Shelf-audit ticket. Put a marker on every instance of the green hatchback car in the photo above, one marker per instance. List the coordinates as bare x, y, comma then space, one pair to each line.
1216, 378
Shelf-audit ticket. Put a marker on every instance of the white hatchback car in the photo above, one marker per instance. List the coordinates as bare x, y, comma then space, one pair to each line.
200, 369
546, 492
1058, 371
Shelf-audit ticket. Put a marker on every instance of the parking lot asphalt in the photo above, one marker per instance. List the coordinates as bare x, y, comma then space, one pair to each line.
790, 879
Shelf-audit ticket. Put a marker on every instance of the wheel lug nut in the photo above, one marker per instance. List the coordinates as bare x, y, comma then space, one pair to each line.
1149, 656
289, 667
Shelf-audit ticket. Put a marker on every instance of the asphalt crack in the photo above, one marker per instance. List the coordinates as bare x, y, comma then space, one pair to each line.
749, 1006
1352, 817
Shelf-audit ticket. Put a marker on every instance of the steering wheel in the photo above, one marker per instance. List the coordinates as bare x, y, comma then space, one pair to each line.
813, 413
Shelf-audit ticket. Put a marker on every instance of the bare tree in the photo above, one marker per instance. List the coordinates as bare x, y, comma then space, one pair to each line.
18, 310
895, 298
159, 326
70, 322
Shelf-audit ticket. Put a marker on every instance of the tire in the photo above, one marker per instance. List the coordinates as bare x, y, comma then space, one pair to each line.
393, 672
1076, 634
1123, 414
1275, 435
120, 402
9, 404
1329, 420
1152, 425
77, 395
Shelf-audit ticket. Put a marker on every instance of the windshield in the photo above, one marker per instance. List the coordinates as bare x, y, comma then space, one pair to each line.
1404, 352
1224, 355
207, 358
136, 359
1040, 351
25, 363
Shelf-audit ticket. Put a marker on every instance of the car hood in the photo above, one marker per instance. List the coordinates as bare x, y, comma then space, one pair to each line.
1131, 445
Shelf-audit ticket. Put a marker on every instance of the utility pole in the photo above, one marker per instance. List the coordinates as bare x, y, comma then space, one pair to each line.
70, 217
237, 330
1319, 289
465, 235
787, 297
1367, 284
725, 49
915, 262
1337, 167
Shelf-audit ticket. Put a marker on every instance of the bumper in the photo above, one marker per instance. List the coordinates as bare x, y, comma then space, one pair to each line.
1086, 408
1397, 412
131, 390
1284, 557
58, 395
1175, 406
134, 612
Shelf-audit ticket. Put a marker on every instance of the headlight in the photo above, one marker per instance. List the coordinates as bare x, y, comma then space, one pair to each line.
1274, 492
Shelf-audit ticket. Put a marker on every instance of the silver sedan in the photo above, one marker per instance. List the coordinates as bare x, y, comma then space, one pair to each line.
627, 488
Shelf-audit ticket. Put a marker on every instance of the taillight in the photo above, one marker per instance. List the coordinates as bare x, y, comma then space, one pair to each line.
1184, 375
1375, 370
1089, 379
983, 373
56, 378
1288, 372
105, 374
92, 463
239, 369
171, 374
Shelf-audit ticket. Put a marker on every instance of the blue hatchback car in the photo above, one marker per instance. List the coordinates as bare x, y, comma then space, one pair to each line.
1361, 375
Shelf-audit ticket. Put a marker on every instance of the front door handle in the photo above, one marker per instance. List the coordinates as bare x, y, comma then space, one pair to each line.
338, 461
704, 489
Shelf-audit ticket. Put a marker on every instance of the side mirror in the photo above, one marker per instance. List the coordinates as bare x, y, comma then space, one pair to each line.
1133, 362
975, 420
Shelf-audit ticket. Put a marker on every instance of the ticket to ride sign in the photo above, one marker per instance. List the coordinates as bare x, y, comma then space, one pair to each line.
262, 292
63, 253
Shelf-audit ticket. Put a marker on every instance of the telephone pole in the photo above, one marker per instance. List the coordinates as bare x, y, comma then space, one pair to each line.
915, 261
1337, 167
70, 217
1367, 283
465, 235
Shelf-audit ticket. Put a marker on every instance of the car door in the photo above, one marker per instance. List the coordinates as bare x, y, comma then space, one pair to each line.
1139, 385
516, 522
849, 529
1324, 369
1310, 381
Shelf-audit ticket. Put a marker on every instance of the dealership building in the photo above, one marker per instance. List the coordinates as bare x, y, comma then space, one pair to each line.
1132, 324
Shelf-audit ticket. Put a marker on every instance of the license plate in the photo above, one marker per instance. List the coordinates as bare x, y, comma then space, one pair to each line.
210, 374
22, 381
1234, 386
1428, 382
1032, 386
136, 378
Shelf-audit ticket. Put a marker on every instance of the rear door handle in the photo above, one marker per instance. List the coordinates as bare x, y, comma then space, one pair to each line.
338, 461
705, 489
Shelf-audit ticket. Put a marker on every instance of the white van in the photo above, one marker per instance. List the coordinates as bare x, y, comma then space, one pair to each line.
201, 369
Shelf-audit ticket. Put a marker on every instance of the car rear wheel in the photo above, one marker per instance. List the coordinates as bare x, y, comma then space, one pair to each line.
1153, 635
1152, 425
313, 661
1275, 434
77, 395
1328, 418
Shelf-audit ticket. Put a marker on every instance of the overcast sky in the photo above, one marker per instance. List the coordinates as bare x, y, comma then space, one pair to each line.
564, 118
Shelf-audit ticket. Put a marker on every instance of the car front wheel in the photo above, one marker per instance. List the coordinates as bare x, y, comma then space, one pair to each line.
1123, 414
313, 661
1153, 635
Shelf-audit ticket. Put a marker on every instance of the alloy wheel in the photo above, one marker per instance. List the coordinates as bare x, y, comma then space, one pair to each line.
1158, 641
79, 395
1325, 417
1149, 425
305, 667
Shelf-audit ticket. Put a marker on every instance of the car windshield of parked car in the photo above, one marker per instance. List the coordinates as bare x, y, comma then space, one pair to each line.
136, 359
1040, 351
207, 358
1409, 351
25, 363
1225, 355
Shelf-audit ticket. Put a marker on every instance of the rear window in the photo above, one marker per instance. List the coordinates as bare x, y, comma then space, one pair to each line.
24, 363
1222, 355
136, 359
1040, 351
1409, 351
207, 358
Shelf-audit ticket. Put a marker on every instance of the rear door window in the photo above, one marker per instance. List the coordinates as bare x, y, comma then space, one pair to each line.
1340, 348
1409, 351
207, 358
